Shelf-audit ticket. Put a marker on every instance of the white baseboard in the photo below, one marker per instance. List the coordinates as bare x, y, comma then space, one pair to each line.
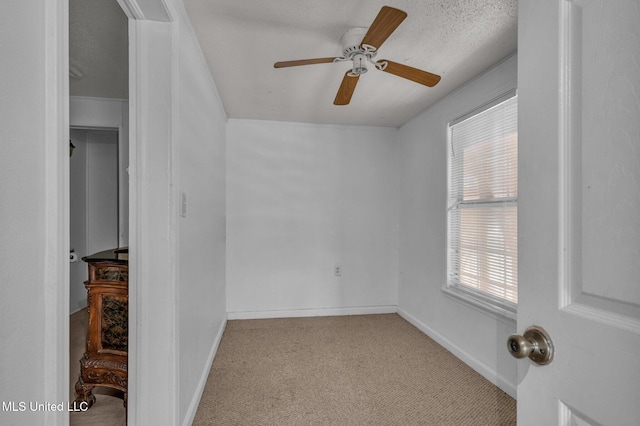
195, 402
322, 312
483, 369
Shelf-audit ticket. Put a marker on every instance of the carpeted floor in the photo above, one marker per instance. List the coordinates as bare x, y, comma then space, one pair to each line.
349, 370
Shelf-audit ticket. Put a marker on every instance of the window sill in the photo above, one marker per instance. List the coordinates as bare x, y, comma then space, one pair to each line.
485, 305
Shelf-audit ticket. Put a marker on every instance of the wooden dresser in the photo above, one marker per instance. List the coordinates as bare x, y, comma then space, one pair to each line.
105, 361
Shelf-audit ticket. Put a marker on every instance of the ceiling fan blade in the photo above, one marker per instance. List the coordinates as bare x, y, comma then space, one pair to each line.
303, 62
410, 73
385, 23
348, 85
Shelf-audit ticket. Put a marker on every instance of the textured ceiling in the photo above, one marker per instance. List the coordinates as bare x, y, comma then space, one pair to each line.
241, 40
98, 49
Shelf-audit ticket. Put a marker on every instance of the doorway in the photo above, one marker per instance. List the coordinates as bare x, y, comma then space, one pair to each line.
96, 209
94, 223
98, 179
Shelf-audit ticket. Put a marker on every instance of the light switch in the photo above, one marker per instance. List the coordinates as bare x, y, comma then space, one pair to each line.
183, 204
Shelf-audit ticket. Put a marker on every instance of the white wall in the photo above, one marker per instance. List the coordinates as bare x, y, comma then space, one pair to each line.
301, 199
98, 113
93, 196
78, 220
34, 248
177, 264
199, 149
478, 338
102, 190
90, 112
152, 384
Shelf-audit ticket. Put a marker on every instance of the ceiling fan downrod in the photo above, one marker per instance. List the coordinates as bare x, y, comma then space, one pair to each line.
358, 53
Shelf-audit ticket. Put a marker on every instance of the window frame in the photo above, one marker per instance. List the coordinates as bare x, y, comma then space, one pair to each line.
496, 306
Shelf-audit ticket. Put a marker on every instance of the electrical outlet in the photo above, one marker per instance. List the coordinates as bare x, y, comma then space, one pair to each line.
337, 270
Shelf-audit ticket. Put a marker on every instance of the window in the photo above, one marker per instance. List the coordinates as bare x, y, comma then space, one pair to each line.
483, 205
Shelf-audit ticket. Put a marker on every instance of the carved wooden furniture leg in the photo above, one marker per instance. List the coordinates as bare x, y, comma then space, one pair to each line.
84, 394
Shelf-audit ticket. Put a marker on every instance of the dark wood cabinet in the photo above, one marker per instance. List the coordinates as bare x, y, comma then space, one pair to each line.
105, 360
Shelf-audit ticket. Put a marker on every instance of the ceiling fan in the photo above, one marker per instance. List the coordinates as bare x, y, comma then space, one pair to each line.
360, 45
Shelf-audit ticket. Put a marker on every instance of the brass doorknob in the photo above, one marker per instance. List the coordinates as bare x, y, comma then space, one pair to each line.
535, 344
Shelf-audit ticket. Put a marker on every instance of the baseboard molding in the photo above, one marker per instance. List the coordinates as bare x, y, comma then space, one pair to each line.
195, 402
77, 308
483, 369
322, 312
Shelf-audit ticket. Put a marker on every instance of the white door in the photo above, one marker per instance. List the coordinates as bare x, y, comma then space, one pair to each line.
579, 209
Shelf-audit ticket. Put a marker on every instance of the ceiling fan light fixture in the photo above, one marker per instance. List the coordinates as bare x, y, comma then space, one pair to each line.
359, 64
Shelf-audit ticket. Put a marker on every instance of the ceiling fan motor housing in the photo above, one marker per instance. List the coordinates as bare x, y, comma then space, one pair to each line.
353, 50
351, 41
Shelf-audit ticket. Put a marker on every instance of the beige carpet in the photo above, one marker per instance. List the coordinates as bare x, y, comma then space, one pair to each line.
350, 370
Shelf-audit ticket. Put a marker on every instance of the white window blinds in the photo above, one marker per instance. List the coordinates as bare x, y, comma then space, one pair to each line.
483, 209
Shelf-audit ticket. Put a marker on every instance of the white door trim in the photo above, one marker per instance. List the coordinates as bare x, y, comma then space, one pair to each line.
152, 390
56, 175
